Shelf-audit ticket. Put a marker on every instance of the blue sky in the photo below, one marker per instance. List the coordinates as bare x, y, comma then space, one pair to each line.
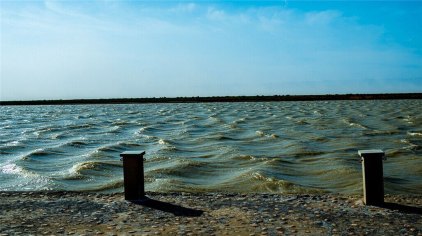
111, 49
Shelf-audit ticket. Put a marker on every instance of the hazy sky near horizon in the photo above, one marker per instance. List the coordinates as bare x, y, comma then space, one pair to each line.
113, 49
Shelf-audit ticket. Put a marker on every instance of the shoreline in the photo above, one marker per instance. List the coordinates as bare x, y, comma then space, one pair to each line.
84, 213
213, 99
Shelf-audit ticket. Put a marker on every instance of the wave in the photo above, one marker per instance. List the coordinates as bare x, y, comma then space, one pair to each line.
120, 122
117, 147
11, 169
395, 180
256, 181
80, 126
180, 168
214, 120
415, 133
163, 142
262, 183
302, 122
28, 180
77, 143
38, 153
114, 129
11, 147
202, 176
381, 132
413, 145
244, 158
395, 153
79, 170
48, 129
167, 145
59, 135
151, 129
226, 138
308, 154
239, 121
110, 185
353, 123
263, 134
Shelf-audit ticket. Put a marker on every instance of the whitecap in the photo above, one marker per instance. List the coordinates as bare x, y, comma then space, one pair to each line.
11, 169
36, 152
415, 133
13, 143
260, 133
75, 171
317, 113
30, 180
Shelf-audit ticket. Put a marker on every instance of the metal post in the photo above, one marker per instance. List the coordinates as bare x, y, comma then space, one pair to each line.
373, 183
133, 173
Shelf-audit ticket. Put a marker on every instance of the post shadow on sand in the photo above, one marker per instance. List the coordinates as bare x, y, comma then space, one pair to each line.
168, 207
402, 208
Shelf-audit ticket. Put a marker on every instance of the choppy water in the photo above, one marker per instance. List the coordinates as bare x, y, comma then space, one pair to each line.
286, 147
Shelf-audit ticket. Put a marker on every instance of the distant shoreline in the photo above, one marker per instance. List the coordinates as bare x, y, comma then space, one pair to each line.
273, 98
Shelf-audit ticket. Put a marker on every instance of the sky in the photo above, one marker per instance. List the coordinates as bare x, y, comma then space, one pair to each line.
128, 49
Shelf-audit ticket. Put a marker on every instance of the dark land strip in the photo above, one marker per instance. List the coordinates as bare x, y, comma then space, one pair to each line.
274, 98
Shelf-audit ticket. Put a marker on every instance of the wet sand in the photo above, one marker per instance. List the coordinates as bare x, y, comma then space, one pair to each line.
59, 213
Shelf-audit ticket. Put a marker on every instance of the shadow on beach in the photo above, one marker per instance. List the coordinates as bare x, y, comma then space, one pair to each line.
168, 207
402, 208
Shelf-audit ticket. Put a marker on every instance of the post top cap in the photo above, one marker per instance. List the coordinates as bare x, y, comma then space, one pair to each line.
132, 153
372, 152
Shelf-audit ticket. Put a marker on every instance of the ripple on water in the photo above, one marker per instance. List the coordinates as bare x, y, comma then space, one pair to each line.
87, 169
264, 147
39, 153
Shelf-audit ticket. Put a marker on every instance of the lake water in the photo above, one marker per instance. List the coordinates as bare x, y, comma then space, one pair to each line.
282, 147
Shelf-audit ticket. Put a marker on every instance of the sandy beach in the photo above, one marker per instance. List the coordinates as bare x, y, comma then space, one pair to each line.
67, 213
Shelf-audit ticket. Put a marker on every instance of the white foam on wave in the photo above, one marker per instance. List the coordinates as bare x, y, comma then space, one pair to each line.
78, 170
274, 136
353, 124
317, 112
408, 119
24, 180
75, 170
11, 169
13, 143
415, 133
358, 125
38, 151
160, 184
260, 133
162, 142
263, 134
114, 128
410, 146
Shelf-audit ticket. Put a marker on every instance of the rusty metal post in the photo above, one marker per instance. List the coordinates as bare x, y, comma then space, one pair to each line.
373, 180
133, 174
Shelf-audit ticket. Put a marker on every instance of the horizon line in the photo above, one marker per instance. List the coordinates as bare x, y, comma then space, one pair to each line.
227, 98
